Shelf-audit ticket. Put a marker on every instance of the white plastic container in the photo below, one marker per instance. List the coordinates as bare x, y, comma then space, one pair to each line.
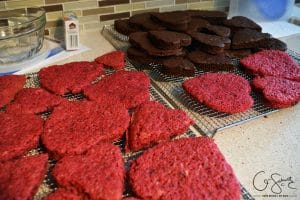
71, 23
262, 10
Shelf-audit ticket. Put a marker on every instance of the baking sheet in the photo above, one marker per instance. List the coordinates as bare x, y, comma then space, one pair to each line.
208, 121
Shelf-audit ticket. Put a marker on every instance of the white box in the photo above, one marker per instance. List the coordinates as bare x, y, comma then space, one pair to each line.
71, 24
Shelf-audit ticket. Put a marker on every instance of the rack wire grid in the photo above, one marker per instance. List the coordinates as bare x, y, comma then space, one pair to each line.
208, 121
49, 185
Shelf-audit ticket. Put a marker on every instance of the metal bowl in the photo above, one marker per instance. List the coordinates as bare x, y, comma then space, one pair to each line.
21, 34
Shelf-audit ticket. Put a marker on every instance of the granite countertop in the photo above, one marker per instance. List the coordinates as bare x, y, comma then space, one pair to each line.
270, 144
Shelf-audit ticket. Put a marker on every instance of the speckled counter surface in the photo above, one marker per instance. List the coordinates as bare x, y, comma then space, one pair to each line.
270, 144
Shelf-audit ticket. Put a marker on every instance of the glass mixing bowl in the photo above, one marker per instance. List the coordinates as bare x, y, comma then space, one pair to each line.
21, 34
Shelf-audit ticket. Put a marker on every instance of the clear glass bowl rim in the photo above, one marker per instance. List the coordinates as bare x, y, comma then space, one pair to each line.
41, 16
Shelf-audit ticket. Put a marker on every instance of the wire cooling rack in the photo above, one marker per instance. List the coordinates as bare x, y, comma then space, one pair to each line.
48, 185
208, 121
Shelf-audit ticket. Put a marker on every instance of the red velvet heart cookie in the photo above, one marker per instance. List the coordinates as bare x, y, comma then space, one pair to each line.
21, 178
152, 123
34, 100
19, 133
224, 92
98, 173
70, 77
188, 168
114, 59
74, 127
9, 86
131, 88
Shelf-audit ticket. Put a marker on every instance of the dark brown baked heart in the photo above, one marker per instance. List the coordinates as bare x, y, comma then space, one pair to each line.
248, 38
141, 40
169, 39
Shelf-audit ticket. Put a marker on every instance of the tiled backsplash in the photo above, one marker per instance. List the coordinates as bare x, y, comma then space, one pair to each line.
93, 13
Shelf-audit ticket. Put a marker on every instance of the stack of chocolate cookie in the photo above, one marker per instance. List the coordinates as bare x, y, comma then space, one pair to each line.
163, 47
206, 39
214, 46
247, 35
